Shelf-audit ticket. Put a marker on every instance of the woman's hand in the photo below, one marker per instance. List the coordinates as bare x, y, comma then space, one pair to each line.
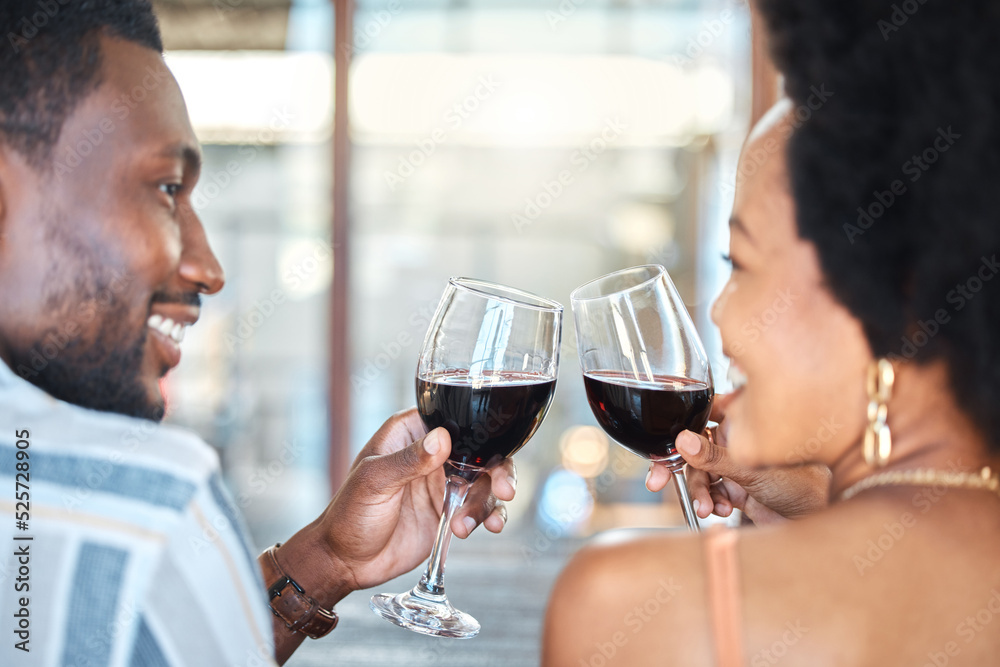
717, 484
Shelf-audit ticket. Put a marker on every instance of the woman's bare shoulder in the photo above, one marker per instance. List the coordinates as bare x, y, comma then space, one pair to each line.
813, 590
621, 599
810, 592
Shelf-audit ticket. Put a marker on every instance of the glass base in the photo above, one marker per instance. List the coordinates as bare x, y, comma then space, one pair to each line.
429, 615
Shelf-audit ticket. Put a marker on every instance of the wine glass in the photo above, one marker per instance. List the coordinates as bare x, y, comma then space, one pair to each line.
487, 373
644, 367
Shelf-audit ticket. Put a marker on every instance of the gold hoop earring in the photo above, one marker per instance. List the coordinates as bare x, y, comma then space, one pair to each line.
878, 440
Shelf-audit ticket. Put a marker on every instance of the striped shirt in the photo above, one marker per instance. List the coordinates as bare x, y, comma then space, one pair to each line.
137, 555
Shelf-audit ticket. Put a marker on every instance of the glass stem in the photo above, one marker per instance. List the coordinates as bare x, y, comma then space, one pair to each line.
680, 483
432, 582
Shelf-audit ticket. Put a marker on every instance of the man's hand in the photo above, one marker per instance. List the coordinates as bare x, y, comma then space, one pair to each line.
383, 521
717, 484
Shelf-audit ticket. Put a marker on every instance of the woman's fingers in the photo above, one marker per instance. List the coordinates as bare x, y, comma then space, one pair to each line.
702, 454
698, 480
722, 505
657, 477
699, 484
700, 490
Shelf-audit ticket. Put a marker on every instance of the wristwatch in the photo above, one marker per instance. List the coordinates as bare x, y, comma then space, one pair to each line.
291, 604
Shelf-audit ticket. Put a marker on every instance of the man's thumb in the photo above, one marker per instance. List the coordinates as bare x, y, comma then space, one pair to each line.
417, 460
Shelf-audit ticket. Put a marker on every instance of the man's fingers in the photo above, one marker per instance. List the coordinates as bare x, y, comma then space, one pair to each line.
497, 519
503, 480
480, 505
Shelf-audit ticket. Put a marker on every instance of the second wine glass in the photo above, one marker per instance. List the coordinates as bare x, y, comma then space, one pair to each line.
487, 374
644, 367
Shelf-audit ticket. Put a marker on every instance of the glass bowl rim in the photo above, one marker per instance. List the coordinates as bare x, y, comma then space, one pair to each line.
660, 271
508, 294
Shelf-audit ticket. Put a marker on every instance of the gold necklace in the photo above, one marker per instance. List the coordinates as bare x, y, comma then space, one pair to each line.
985, 479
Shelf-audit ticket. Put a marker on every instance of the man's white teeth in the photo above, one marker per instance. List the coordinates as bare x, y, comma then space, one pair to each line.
167, 327
736, 377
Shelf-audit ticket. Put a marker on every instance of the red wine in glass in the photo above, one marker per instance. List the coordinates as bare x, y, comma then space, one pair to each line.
489, 417
645, 369
647, 416
486, 373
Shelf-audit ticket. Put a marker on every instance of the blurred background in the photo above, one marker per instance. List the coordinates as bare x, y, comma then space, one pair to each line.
357, 154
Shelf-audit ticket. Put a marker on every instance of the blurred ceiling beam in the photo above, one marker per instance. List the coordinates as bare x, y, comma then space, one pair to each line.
223, 25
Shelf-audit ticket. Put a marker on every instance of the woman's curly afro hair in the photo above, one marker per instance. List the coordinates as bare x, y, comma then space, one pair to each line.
896, 177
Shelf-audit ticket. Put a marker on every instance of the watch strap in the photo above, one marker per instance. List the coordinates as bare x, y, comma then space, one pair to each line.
300, 612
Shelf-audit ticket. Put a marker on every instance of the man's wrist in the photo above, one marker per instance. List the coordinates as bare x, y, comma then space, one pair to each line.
306, 557
297, 610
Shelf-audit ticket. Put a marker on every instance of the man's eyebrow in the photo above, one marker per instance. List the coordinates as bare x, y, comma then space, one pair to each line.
736, 223
186, 152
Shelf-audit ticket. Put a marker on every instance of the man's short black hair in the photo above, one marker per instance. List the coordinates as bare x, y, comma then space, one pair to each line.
50, 60
895, 175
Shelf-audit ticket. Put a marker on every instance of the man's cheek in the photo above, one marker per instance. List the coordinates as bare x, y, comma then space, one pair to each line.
88, 312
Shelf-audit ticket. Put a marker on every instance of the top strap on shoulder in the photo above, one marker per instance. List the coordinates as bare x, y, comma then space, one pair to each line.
723, 575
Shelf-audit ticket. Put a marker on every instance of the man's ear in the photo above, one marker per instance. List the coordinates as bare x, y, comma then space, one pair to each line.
4, 171
11, 164
12, 172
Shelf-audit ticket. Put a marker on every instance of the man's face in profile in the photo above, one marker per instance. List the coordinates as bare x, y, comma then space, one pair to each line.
102, 258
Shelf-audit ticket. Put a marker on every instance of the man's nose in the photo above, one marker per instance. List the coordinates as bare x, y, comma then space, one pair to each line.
199, 264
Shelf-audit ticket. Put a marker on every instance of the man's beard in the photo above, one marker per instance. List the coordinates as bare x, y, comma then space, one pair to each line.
93, 355
103, 374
